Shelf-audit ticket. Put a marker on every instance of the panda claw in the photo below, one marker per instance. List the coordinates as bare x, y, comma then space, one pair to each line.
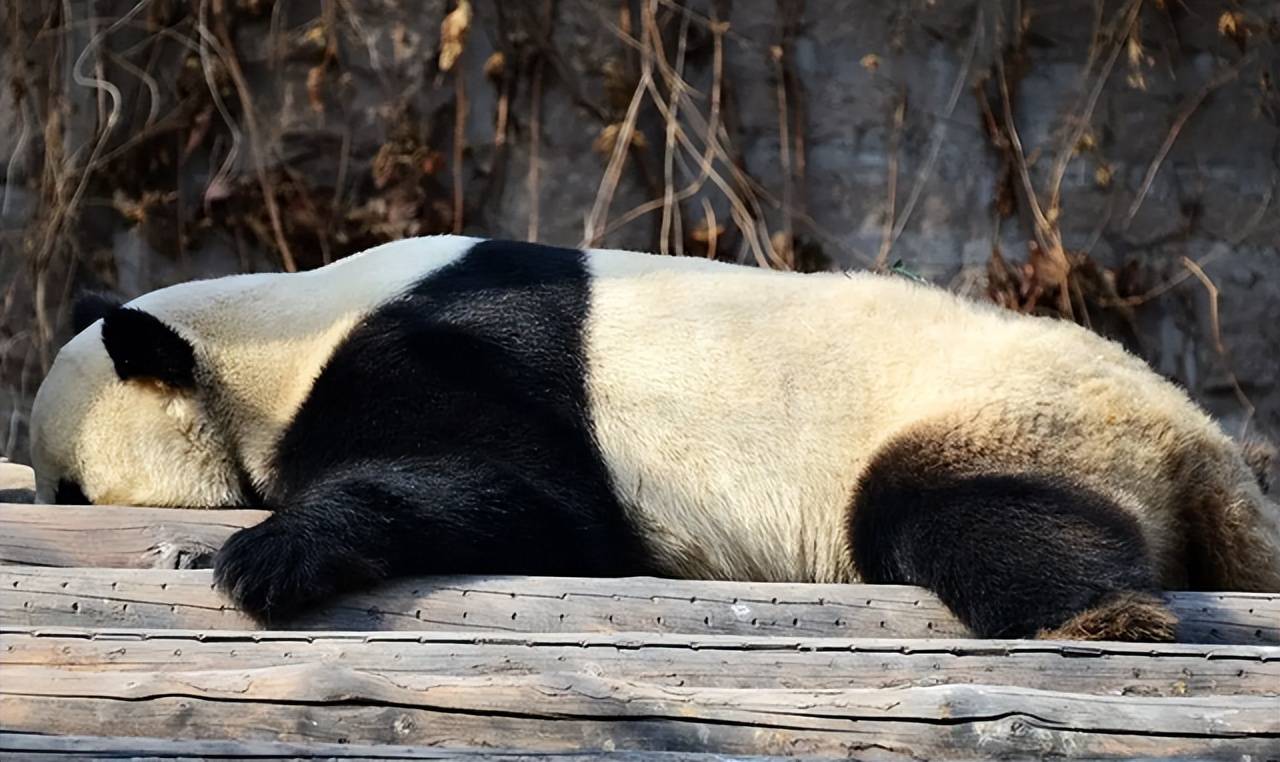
272, 571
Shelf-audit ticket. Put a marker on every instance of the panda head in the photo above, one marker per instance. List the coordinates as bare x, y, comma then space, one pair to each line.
123, 418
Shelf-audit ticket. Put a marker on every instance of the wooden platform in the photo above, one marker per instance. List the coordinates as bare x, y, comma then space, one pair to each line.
114, 644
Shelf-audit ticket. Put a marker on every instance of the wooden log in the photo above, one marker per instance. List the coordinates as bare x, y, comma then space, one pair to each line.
157, 599
17, 483
330, 702
116, 537
675, 660
19, 747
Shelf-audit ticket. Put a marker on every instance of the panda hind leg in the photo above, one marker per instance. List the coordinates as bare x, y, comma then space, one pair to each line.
1013, 555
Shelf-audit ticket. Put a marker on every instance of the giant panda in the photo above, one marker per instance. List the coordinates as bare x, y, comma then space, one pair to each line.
455, 405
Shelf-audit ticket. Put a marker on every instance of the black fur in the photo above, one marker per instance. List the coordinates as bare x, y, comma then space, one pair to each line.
449, 433
143, 347
90, 306
1010, 555
69, 493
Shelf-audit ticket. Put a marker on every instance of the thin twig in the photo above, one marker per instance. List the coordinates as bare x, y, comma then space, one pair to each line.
713, 232
1221, 348
1042, 228
223, 33
148, 81
1162, 288
535, 130
1085, 114
344, 166
670, 211
597, 218
891, 193
227, 166
743, 201
939, 130
1192, 104
460, 108
707, 157
780, 54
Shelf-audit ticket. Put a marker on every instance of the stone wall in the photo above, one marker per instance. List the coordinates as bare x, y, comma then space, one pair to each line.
898, 148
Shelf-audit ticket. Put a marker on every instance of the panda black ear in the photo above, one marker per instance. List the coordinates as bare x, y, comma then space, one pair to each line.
143, 347
90, 306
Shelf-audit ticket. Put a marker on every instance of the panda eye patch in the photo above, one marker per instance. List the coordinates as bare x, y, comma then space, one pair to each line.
69, 493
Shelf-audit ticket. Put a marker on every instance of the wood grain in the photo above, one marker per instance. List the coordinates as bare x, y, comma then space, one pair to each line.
20, 747
330, 702
182, 599
116, 537
722, 661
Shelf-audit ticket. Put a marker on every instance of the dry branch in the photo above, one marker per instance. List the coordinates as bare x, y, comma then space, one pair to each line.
1215, 331
256, 150
1184, 114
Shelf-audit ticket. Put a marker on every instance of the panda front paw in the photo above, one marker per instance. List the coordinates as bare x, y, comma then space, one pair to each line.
277, 568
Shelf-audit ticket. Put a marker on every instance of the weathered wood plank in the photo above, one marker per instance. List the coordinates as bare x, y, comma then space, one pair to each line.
158, 599
565, 711
17, 483
22, 746
1175, 670
116, 537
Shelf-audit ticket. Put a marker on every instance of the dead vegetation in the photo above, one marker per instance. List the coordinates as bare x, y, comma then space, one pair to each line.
155, 133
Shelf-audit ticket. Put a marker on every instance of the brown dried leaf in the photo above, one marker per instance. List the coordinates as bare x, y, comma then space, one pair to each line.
1232, 24
784, 246
432, 163
132, 210
314, 38
1102, 176
495, 66
199, 130
1003, 282
383, 165
403, 46
1229, 23
1133, 49
453, 34
1050, 270
624, 19
608, 138
704, 234
315, 81
618, 85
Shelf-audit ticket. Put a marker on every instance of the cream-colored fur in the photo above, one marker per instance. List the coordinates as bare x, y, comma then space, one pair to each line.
735, 407
262, 338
